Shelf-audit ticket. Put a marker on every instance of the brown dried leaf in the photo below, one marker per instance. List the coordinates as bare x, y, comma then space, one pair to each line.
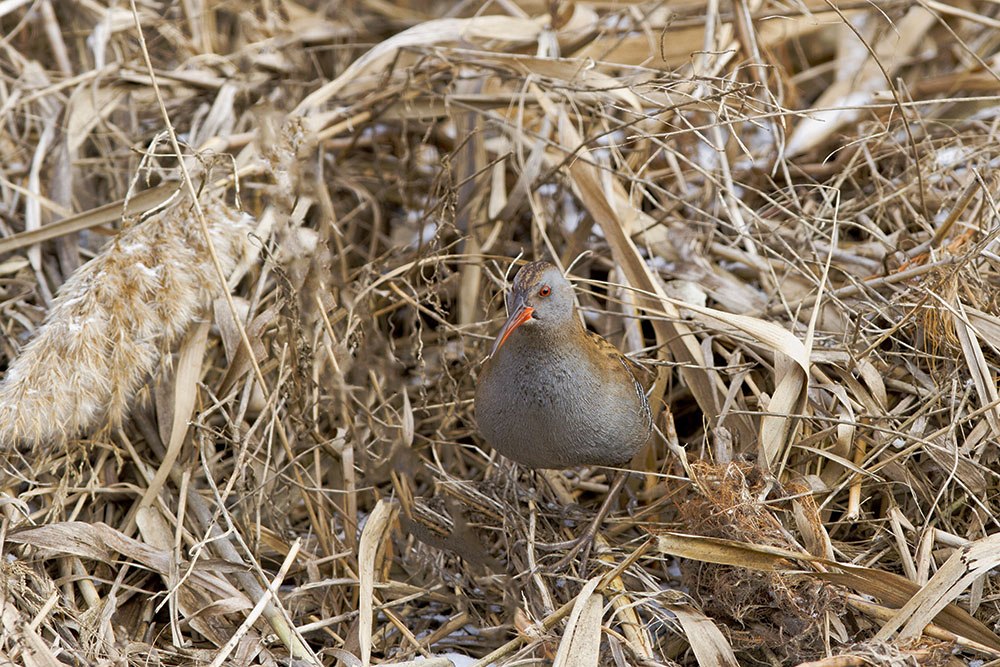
707, 642
581, 639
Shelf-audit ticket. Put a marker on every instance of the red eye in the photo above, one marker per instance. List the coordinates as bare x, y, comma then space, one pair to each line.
545, 291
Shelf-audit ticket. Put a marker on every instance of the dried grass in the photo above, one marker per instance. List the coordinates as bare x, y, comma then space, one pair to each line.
275, 456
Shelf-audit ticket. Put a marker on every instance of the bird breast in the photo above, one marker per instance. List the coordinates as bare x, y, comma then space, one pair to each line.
559, 406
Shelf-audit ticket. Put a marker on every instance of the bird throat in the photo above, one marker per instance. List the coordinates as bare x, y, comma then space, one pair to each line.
539, 340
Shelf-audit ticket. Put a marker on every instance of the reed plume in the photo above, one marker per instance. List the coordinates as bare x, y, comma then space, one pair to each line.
111, 322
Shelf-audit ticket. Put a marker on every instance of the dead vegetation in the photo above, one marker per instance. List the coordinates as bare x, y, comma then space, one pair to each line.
786, 209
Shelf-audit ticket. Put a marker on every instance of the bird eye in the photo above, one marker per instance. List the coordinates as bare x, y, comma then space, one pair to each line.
545, 291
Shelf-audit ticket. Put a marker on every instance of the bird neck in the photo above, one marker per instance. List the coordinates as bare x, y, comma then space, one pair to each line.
552, 339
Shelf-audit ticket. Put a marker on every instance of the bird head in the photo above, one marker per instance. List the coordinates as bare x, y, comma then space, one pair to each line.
540, 298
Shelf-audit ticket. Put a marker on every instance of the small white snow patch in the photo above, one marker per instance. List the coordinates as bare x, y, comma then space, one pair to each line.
951, 155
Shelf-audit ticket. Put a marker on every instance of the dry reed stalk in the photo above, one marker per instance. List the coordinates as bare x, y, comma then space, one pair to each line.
112, 321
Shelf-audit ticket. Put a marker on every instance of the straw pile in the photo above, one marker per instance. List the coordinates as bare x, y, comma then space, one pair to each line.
252, 255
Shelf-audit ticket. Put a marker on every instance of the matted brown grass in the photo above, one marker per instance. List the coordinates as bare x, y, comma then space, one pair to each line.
786, 209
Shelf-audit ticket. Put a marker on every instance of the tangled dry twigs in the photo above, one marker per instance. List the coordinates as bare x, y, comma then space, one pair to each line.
787, 209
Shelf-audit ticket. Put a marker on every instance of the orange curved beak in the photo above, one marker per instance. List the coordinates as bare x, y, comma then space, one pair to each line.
518, 316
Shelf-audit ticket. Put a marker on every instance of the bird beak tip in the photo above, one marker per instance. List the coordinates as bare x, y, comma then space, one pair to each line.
519, 316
